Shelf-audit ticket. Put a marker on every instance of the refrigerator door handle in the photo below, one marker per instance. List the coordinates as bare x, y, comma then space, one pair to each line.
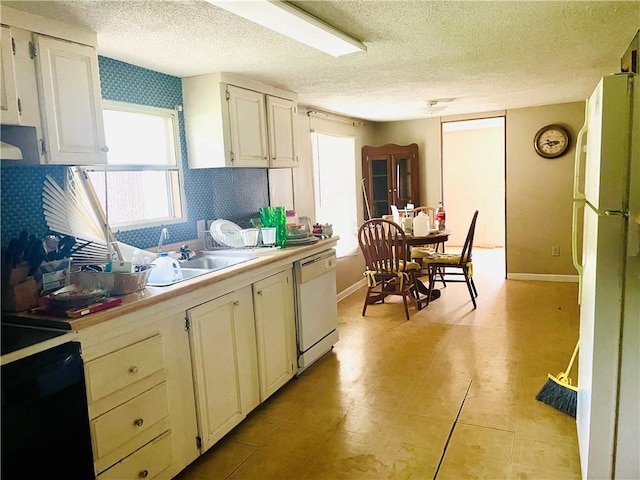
580, 148
577, 204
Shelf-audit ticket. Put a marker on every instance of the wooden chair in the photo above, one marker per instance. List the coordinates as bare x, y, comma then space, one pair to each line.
442, 264
389, 270
429, 211
418, 253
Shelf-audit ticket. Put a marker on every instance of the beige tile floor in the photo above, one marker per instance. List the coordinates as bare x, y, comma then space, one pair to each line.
449, 394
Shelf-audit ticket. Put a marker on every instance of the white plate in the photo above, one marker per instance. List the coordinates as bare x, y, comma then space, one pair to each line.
226, 233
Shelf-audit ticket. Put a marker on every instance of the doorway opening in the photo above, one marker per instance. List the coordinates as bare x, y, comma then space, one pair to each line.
473, 178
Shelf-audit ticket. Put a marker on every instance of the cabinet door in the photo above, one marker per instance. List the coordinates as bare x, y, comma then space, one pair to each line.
281, 123
223, 349
71, 102
247, 118
275, 331
381, 184
8, 94
391, 177
405, 178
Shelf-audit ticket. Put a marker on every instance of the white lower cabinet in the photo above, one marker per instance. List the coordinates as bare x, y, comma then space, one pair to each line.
162, 388
275, 331
148, 462
140, 395
223, 349
243, 349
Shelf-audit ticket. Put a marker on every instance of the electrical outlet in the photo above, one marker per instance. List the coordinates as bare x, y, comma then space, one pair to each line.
555, 251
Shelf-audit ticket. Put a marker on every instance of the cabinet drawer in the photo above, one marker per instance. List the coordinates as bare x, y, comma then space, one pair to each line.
132, 424
124, 367
147, 462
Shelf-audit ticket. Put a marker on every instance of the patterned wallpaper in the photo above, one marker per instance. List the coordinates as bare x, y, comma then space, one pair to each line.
233, 194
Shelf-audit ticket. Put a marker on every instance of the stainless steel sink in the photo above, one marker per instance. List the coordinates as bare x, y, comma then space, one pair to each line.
203, 265
214, 262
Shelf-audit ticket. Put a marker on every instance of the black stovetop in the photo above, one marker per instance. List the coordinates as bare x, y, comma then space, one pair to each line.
16, 337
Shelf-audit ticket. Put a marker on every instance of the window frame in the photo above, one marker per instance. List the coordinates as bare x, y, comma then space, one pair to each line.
177, 166
350, 246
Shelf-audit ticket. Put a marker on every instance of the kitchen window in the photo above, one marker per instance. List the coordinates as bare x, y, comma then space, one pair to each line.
335, 187
142, 183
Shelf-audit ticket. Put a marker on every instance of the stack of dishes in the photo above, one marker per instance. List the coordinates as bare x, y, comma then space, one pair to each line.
226, 233
296, 231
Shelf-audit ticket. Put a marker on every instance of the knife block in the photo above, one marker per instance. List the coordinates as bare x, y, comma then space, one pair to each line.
20, 296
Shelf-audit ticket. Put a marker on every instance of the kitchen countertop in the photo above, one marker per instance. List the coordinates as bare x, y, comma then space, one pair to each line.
153, 295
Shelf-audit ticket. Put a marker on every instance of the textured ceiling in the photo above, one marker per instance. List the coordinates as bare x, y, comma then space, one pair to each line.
481, 55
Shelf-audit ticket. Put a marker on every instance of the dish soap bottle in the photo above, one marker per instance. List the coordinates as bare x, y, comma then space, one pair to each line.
439, 217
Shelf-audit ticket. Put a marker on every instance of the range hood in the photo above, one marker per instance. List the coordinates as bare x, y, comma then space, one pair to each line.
19, 144
9, 152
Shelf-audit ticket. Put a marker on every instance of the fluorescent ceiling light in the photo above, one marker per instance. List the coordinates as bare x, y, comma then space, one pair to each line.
284, 18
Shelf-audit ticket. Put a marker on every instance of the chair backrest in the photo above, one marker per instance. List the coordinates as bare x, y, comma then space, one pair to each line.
383, 244
429, 211
465, 256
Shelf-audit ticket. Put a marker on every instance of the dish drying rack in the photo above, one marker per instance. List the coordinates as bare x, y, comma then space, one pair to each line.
211, 245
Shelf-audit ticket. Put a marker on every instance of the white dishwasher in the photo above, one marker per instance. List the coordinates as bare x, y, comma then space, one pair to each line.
316, 306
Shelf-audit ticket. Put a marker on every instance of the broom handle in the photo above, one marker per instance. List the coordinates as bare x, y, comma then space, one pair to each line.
573, 357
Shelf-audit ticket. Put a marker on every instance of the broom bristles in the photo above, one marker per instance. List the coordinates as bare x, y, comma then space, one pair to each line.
559, 395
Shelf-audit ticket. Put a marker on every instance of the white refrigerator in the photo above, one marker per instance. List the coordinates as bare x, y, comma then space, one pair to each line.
608, 206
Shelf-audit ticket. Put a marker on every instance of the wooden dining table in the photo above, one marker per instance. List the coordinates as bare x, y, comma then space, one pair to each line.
431, 239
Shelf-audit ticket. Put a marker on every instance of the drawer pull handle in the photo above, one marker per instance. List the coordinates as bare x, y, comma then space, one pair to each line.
236, 303
138, 422
144, 474
133, 370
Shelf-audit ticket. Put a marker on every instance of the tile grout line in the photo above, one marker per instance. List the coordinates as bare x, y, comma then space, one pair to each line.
453, 427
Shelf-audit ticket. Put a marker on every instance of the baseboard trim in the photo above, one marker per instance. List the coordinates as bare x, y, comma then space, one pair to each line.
542, 277
348, 291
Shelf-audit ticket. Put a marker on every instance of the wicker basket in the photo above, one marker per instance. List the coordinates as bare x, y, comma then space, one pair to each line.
114, 283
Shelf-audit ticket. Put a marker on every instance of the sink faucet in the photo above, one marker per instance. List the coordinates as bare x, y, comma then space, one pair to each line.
186, 253
164, 235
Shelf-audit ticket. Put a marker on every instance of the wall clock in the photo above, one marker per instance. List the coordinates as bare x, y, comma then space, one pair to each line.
551, 141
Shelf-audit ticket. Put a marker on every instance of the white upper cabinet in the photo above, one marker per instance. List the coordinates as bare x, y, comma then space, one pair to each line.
247, 117
234, 122
56, 87
70, 102
282, 135
8, 94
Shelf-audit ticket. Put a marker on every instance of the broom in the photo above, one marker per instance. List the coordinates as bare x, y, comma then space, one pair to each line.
558, 391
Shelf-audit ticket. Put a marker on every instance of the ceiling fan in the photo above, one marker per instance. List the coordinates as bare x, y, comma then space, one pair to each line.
432, 107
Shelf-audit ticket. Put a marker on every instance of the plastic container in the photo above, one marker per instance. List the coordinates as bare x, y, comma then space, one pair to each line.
167, 270
407, 224
421, 225
249, 237
281, 226
292, 217
268, 235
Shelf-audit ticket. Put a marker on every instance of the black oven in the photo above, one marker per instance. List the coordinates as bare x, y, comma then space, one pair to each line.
45, 420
